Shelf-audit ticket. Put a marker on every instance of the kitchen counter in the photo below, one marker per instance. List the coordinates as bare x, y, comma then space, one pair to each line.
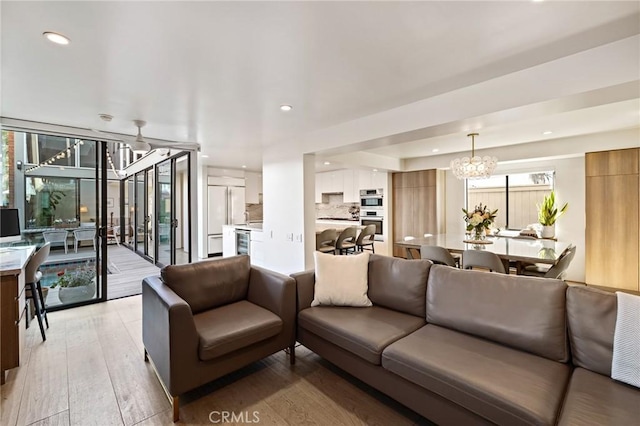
249, 227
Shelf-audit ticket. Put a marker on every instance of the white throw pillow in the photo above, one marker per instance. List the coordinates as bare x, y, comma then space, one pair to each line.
341, 280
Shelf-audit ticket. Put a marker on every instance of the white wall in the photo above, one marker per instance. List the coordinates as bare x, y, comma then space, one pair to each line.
289, 212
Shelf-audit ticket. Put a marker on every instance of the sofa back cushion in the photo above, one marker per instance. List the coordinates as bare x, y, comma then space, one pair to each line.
521, 312
210, 283
399, 284
591, 314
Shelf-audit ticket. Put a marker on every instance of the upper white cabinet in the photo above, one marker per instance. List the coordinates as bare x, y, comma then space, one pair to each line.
349, 182
351, 192
253, 187
371, 180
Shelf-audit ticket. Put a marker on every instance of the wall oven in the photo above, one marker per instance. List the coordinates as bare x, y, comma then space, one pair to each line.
373, 217
371, 199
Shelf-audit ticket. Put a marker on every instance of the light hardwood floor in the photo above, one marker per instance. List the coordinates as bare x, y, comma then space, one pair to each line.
91, 371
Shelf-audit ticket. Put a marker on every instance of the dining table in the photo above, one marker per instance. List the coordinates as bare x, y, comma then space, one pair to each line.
509, 249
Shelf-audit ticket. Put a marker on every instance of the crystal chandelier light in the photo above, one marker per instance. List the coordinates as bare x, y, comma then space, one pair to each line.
474, 167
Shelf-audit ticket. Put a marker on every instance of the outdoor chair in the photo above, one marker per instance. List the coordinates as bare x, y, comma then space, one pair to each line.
55, 237
84, 235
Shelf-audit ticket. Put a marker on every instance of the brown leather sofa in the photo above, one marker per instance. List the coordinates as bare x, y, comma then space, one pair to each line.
203, 320
469, 347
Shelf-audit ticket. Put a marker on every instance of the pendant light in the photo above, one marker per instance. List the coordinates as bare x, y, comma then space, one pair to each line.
474, 167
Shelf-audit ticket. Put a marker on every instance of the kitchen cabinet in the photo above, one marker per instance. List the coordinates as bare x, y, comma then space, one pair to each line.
612, 234
253, 187
229, 241
351, 192
257, 248
368, 179
415, 207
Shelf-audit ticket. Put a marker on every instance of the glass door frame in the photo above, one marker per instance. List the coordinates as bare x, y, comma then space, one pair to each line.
173, 221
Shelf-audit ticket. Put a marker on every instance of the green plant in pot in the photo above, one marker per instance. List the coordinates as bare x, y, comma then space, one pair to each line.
548, 214
76, 286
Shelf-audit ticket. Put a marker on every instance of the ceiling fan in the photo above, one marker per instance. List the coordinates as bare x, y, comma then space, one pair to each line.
139, 146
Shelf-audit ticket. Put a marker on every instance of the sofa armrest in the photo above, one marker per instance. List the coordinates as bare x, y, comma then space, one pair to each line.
273, 291
305, 283
168, 332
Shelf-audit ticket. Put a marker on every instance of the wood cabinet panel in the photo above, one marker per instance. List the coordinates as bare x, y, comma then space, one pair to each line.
612, 232
608, 163
424, 211
403, 213
426, 178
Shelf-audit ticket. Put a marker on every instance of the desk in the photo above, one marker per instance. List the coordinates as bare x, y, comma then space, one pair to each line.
13, 261
520, 250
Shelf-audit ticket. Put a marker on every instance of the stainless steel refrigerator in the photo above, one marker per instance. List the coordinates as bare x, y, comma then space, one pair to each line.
225, 207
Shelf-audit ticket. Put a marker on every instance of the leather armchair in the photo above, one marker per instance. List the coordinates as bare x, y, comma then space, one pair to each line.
203, 320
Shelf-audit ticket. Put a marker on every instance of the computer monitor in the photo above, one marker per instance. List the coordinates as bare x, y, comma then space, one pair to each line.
9, 225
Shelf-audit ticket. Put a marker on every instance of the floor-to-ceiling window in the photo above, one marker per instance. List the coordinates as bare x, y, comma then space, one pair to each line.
56, 182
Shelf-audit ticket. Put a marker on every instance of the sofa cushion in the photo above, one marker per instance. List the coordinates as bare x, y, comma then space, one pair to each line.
399, 284
522, 312
210, 283
232, 327
504, 385
594, 399
363, 331
341, 280
591, 316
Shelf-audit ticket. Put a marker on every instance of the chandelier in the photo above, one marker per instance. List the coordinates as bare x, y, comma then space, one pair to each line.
474, 167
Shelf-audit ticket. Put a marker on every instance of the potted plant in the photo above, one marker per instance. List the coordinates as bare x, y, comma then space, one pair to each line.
548, 214
76, 286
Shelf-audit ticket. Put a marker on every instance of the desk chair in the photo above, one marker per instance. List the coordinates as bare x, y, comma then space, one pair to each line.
58, 236
34, 288
482, 259
84, 235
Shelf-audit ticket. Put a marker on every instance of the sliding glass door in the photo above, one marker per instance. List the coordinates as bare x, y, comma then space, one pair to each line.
165, 214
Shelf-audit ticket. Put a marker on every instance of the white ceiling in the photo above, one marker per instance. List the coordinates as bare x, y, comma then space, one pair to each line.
216, 72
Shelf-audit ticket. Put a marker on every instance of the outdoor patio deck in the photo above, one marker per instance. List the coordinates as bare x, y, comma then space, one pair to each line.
126, 270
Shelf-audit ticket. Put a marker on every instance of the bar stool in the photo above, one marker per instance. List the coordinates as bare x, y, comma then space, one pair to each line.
34, 288
347, 240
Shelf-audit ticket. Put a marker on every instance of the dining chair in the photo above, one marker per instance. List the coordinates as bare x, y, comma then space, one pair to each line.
57, 236
347, 240
437, 254
558, 270
366, 238
326, 241
482, 259
84, 235
34, 287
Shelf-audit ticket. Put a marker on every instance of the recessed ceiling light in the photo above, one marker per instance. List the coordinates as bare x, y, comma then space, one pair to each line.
548, 132
435, 150
286, 107
326, 163
244, 167
375, 170
56, 38
105, 117
205, 156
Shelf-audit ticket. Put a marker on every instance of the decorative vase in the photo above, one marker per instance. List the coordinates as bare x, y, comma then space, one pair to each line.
479, 233
548, 231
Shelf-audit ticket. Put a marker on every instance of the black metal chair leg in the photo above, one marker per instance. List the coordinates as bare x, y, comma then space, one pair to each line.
36, 304
43, 308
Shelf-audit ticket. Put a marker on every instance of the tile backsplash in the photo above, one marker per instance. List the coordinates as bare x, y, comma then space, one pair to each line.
333, 207
255, 212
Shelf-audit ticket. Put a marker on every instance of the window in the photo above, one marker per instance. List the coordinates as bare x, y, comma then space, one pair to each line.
50, 202
515, 195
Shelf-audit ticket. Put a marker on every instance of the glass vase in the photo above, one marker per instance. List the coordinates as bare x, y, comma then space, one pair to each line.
479, 234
